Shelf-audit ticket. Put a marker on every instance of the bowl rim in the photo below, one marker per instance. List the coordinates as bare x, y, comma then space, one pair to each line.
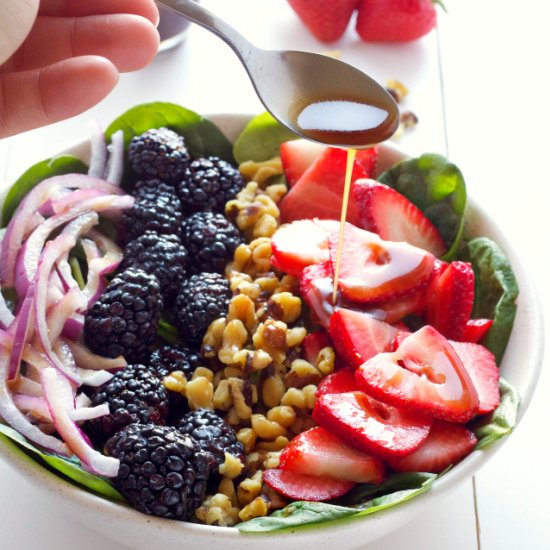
33, 471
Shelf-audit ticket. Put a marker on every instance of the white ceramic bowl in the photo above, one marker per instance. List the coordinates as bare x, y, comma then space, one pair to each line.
520, 366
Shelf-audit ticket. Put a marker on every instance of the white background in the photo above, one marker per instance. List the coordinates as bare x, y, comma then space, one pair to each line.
479, 87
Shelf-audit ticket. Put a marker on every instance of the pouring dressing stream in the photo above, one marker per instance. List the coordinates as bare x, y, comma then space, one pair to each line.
317, 97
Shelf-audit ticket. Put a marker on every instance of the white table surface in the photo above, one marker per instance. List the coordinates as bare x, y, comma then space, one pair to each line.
478, 86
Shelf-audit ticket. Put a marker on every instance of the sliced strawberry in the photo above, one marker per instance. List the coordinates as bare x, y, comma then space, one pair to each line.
369, 425
450, 299
482, 368
326, 19
302, 243
305, 487
357, 336
318, 193
316, 286
425, 375
373, 270
446, 445
394, 310
297, 156
476, 329
341, 381
392, 216
313, 343
316, 452
368, 159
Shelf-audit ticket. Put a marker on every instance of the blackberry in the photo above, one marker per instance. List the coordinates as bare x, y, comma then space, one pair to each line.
124, 320
210, 240
160, 255
134, 395
162, 471
201, 299
212, 433
171, 358
208, 184
153, 190
159, 153
161, 216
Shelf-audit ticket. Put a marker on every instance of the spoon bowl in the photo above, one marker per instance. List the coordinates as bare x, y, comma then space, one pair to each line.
315, 96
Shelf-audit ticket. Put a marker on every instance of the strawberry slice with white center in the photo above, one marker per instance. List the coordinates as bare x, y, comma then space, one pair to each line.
392, 216
450, 299
358, 336
341, 381
316, 452
297, 156
482, 368
318, 193
373, 270
302, 243
305, 487
425, 375
369, 425
446, 444
316, 284
476, 329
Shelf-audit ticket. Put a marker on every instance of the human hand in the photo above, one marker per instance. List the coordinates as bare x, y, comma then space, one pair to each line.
61, 57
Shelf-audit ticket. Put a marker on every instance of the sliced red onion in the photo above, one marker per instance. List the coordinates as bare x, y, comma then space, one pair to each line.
60, 313
115, 166
16, 419
53, 383
35, 220
63, 351
64, 282
52, 251
27, 260
85, 359
26, 386
106, 245
94, 378
91, 250
82, 400
37, 406
6, 316
75, 198
98, 153
22, 327
89, 413
74, 326
19, 223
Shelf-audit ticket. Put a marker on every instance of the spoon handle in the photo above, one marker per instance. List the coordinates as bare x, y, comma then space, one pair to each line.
201, 16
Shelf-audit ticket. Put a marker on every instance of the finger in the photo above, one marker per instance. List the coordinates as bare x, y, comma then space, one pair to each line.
78, 8
36, 98
128, 41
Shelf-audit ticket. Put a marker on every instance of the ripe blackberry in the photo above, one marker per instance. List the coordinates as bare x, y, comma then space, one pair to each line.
171, 358
201, 299
159, 153
134, 395
208, 184
124, 320
212, 433
160, 255
161, 216
210, 240
162, 471
153, 190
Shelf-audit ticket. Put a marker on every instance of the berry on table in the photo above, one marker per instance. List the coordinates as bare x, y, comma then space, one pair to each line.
124, 320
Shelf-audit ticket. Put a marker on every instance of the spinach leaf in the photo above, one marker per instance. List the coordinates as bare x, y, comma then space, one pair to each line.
168, 332
496, 290
56, 166
304, 514
436, 187
503, 419
69, 467
261, 139
202, 137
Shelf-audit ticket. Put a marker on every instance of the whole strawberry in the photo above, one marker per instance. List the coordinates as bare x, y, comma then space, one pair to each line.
326, 19
395, 20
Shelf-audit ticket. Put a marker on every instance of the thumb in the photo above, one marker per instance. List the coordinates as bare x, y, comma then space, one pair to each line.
30, 99
16, 19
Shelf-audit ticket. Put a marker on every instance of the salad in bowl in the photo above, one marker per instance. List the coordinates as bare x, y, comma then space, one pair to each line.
169, 340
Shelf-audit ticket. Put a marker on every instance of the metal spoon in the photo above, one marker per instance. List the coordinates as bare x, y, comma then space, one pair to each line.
315, 96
